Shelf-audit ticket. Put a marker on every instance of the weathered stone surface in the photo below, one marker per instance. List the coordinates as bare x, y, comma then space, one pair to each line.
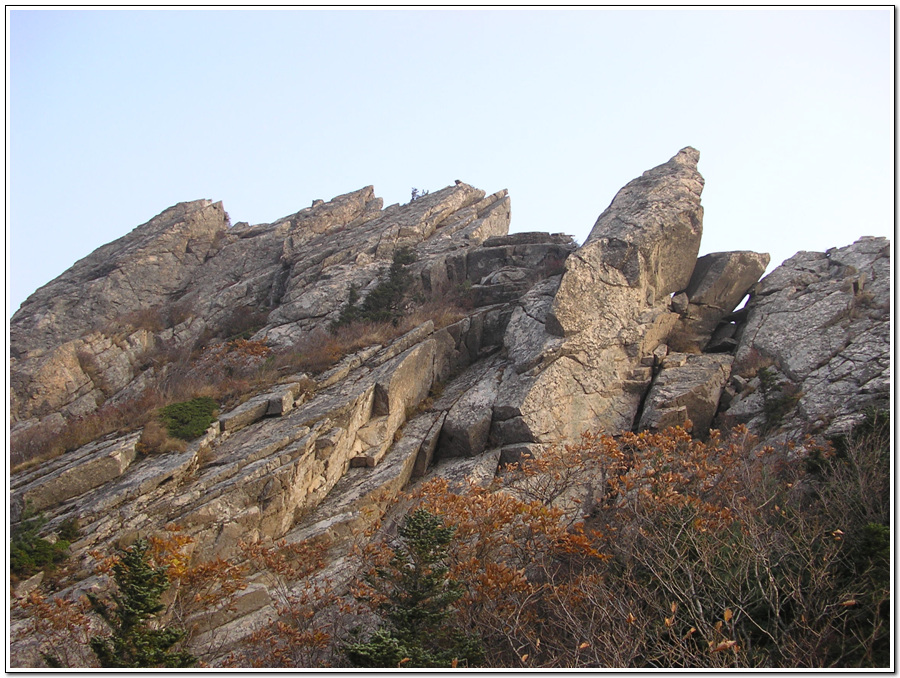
186, 275
821, 323
611, 309
24, 588
459, 472
95, 465
282, 399
468, 423
719, 283
244, 415
687, 388
552, 339
642, 248
139, 270
721, 280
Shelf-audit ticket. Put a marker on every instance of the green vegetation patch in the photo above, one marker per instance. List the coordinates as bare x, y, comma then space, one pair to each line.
383, 303
30, 553
190, 419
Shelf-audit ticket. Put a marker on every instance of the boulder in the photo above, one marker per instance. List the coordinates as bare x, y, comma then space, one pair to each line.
687, 388
243, 415
468, 423
719, 283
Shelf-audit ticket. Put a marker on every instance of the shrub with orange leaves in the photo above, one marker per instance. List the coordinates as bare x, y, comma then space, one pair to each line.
643, 550
313, 615
59, 626
656, 549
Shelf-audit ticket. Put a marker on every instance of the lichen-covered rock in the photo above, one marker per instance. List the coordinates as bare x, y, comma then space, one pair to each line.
92, 466
468, 423
820, 325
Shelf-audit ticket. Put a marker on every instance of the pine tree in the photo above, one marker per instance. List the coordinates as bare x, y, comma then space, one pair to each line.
134, 643
419, 597
30, 553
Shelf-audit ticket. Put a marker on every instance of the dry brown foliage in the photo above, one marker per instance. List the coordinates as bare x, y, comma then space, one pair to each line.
61, 626
155, 439
227, 371
656, 550
650, 550
313, 616
43, 442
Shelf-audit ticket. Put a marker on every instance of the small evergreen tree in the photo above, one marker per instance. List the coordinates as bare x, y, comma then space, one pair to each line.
383, 302
28, 552
134, 643
419, 596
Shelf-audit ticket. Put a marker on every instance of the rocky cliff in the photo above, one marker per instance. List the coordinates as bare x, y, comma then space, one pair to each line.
626, 332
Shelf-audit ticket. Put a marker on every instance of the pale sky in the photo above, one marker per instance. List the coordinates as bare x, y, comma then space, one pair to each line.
113, 116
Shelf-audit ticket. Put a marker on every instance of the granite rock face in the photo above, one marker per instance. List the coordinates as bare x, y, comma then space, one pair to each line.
820, 324
628, 331
719, 283
611, 310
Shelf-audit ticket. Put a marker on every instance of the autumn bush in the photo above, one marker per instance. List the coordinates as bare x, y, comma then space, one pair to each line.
149, 604
643, 550
314, 615
655, 550
156, 439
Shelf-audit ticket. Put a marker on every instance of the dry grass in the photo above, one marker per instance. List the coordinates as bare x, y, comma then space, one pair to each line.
227, 372
155, 439
43, 442
442, 312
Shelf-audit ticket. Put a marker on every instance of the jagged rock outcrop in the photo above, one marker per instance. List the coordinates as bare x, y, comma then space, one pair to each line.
719, 283
611, 310
185, 277
819, 324
628, 331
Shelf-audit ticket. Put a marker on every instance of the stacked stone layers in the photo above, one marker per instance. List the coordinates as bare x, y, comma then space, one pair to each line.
628, 331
